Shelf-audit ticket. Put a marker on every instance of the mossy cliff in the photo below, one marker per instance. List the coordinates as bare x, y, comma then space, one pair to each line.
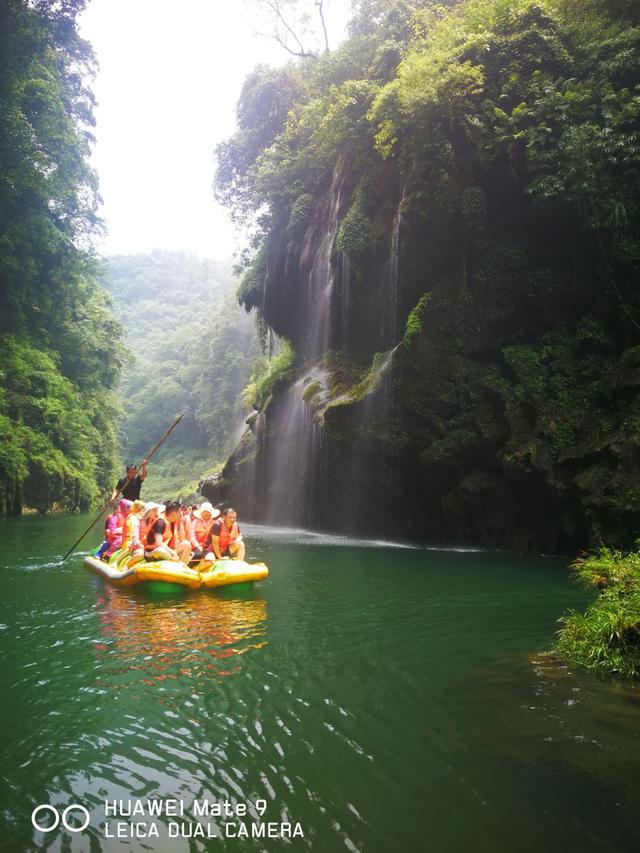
452, 250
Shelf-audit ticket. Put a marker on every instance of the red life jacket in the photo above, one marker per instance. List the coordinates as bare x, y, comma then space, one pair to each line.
228, 536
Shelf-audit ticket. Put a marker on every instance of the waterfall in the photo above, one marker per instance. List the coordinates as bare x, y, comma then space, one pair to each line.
294, 454
294, 475
321, 276
391, 301
370, 467
345, 300
293, 446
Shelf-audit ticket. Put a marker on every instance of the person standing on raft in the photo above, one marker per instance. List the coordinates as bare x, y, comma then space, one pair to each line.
225, 539
131, 483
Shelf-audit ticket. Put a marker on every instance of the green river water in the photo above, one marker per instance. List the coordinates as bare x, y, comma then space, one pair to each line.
383, 698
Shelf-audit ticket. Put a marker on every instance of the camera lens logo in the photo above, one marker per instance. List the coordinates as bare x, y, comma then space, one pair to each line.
55, 815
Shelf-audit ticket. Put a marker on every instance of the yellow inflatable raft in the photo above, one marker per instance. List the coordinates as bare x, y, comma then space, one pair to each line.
220, 573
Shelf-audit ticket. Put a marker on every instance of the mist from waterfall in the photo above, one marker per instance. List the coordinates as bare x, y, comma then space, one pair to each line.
287, 475
294, 447
294, 458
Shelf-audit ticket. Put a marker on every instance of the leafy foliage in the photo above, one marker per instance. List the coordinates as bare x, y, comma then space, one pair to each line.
60, 346
264, 375
606, 639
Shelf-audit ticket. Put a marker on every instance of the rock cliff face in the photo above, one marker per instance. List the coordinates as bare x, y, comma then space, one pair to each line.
452, 247
455, 382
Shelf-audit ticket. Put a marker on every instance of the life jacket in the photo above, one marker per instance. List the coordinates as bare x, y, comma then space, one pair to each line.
227, 536
144, 529
130, 525
202, 530
168, 537
170, 531
116, 521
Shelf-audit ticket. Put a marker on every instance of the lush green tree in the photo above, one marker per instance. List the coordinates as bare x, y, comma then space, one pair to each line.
60, 346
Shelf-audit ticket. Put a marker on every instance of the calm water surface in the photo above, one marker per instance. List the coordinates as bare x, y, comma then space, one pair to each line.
385, 698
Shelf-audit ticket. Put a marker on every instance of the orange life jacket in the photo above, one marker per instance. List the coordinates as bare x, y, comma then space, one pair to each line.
227, 536
168, 537
144, 529
201, 530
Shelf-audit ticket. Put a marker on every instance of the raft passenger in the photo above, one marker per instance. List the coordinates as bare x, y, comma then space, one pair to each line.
151, 511
225, 539
116, 526
102, 550
201, 525
185, 522
162, 538
132, 543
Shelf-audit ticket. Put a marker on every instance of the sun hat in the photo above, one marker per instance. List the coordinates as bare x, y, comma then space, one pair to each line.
149, 506
206, 507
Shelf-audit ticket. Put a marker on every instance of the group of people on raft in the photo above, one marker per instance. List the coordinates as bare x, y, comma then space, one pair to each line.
173, 531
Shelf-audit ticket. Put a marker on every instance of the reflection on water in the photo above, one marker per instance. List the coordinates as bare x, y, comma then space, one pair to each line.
386, 698
197, 637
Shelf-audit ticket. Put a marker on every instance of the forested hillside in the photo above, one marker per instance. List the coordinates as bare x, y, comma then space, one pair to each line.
192, 351
446, 228
60, 350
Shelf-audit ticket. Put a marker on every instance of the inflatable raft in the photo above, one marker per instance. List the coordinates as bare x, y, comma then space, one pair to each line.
220, 573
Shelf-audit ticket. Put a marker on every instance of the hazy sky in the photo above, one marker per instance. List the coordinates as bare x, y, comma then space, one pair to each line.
170, 75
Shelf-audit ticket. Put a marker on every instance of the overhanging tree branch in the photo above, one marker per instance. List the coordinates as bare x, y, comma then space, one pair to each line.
324, 26
274, 5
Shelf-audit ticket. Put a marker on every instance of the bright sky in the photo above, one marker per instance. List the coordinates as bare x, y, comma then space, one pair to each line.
170, 75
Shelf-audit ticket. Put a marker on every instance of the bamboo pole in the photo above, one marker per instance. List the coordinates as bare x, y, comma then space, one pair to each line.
124, 485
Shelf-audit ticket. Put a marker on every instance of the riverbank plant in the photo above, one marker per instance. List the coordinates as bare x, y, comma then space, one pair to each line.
606, 638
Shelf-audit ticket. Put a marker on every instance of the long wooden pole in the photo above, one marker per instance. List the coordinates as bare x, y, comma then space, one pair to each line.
124, 485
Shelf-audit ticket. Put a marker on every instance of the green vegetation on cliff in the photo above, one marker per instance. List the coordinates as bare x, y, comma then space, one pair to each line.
264, 375
60, 350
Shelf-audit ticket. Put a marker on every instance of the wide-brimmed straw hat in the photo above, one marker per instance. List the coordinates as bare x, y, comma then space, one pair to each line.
149, 506
206, 507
